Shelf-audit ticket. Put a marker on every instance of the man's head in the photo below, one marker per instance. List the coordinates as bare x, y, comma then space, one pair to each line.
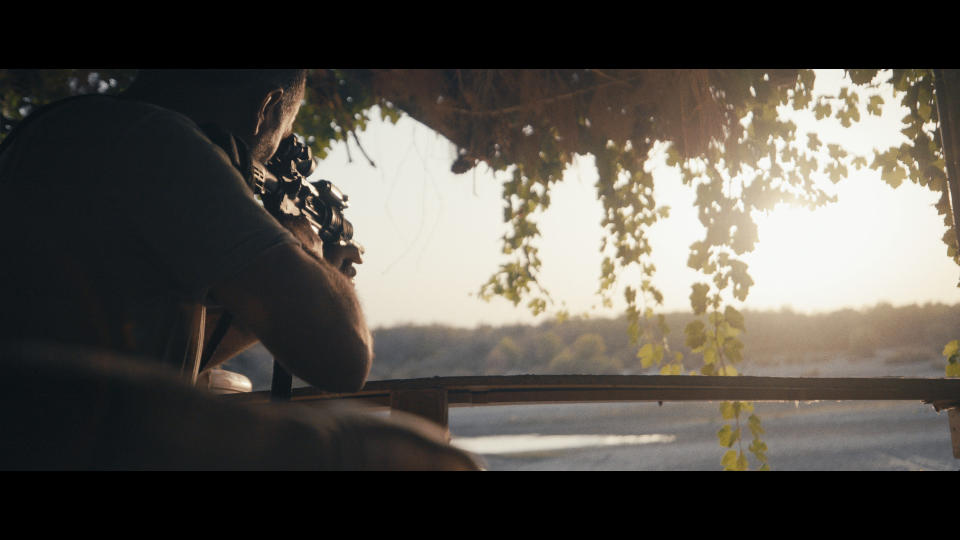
257, 105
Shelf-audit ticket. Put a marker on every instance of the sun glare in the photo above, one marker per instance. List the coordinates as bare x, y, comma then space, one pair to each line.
875, 244
859, 251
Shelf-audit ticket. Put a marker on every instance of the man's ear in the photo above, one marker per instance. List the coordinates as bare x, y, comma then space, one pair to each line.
269, 108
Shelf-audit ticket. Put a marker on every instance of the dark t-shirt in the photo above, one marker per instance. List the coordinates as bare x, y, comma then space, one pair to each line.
113, 213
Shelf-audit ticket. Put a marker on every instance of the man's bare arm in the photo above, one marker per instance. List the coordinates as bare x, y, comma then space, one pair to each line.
306, 313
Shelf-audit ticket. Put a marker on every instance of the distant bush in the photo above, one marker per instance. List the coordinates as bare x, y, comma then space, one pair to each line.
862, 342
912, 355
586, 355
602, 345
503, 358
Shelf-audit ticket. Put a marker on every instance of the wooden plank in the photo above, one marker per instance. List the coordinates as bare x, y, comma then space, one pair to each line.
954, 416
493, 390
429, 403
947, 84
699, 387
432, 397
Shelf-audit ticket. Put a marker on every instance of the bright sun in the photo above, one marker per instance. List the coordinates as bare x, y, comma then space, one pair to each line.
851, 253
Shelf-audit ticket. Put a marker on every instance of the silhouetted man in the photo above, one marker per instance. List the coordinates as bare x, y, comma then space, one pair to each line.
119, 217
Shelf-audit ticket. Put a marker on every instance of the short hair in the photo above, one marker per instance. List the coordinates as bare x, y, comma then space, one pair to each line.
218, 79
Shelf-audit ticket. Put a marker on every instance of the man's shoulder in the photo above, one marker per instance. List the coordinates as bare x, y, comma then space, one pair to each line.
126, 128
106, 133
113, 112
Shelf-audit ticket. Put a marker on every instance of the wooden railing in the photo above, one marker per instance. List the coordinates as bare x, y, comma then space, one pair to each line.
432, 397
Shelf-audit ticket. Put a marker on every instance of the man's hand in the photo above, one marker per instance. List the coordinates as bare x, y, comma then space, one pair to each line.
343, 257
340, 256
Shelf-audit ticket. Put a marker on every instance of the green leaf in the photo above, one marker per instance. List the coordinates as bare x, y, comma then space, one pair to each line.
862, 76
912, 131
726, 332
874, 105
671, 369
822, 110
836, 151
758, 446
924, 110
696, 335
893, 176
836, 172
699, 258
953, 369
709, 355
951, 348
734, 318
729, 460
733, 350
728, 410
645, 354
698, 298
728, 436
630, 294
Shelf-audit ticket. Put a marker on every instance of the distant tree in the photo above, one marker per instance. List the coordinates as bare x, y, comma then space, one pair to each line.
862, 341
585, 355
503, 357
544, 347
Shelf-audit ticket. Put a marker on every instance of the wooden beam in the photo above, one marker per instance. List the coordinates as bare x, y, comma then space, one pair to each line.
432, 397
502, 390
429, 403
954, 416
947, 86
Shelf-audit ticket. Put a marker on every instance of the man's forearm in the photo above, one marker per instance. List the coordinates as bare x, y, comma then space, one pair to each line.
349, 341
306, 313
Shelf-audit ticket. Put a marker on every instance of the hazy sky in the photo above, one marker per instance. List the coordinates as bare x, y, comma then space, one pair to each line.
432, 238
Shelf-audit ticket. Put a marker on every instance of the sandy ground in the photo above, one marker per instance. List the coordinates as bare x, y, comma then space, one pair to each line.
819, 436
828, 436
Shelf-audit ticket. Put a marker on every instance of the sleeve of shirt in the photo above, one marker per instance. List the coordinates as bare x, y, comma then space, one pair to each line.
186, 203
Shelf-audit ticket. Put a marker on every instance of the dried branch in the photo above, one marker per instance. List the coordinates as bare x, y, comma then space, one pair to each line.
360, 146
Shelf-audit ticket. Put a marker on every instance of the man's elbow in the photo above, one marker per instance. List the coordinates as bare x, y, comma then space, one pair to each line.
340, 364
351, 361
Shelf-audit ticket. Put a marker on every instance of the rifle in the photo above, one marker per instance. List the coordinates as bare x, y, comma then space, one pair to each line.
282, 185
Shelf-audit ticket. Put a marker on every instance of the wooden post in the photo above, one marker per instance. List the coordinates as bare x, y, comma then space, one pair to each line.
954, 416
429, 403
947, 87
